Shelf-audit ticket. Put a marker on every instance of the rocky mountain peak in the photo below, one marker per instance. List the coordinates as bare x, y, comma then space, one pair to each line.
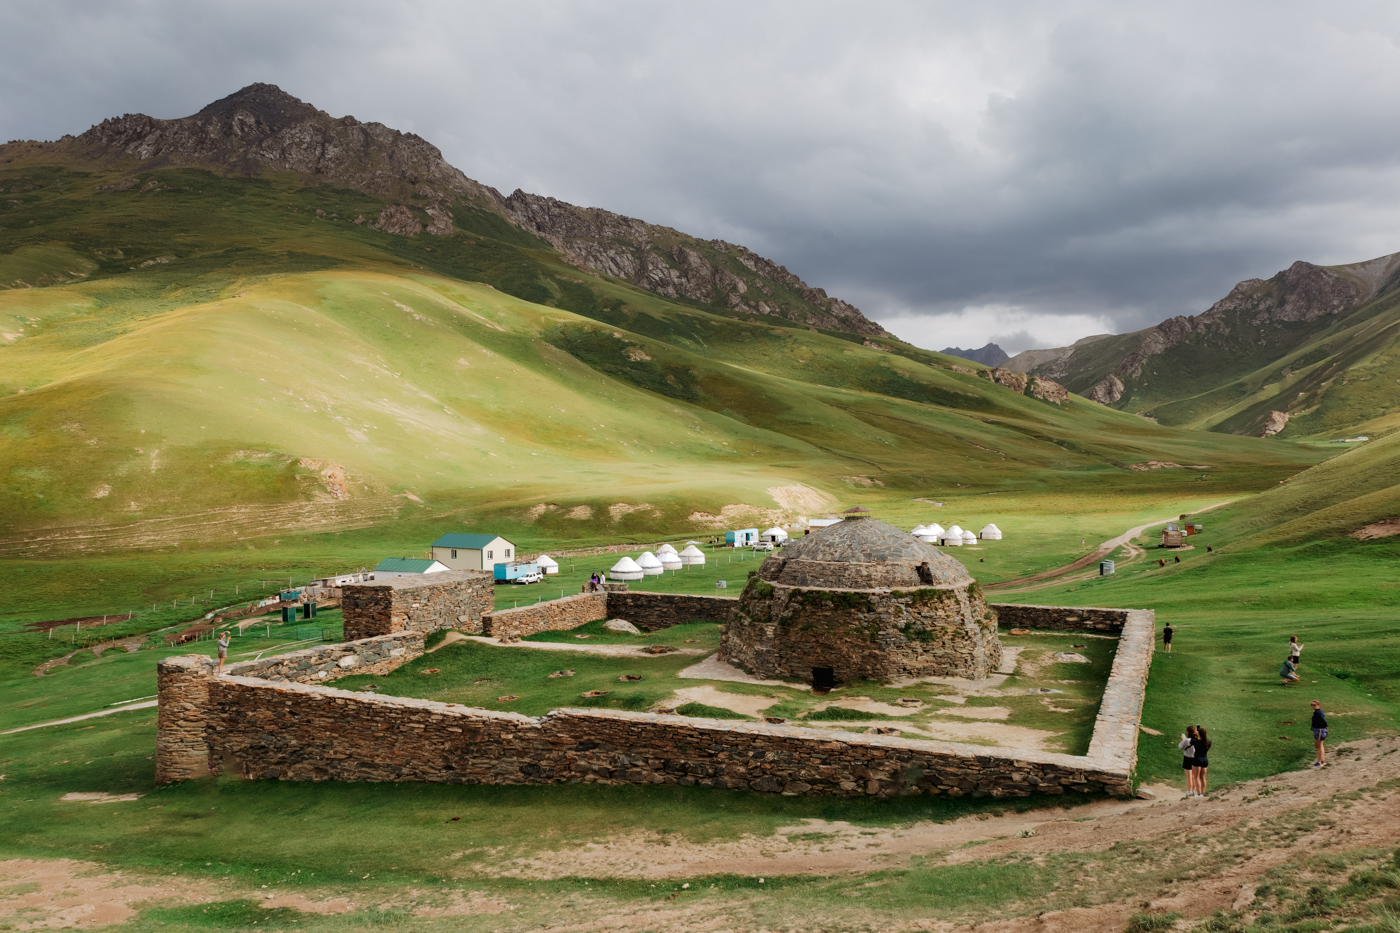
262, 127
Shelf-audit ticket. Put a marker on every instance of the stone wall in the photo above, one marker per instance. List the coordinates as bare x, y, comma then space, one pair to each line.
652, 611
789, 632
1081, 618
302, 732
378, 655
456, 599
555, 615
182, 685
290, 730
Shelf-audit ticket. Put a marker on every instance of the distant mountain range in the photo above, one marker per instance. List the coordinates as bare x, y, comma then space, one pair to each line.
990, 355
1314, 350
261, 127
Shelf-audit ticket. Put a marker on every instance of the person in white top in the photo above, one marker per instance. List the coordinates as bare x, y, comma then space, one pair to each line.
1295, 650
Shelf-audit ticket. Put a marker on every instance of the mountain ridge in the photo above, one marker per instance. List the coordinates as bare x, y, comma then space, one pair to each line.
989, 355
263, 127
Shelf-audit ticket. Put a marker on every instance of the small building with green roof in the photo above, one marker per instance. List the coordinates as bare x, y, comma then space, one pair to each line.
407, 567
462, 551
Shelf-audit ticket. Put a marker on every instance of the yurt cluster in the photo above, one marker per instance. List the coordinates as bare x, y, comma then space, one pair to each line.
651, 564
954, 536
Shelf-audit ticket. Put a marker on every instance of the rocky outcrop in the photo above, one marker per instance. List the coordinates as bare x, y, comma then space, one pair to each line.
1047, 390
1274, 422
1108, 390
264, 128
670, 263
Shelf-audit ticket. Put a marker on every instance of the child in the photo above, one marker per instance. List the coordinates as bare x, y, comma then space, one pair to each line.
1319, 729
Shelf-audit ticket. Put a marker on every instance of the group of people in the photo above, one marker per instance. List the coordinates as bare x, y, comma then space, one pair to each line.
1195, 741
1289, 669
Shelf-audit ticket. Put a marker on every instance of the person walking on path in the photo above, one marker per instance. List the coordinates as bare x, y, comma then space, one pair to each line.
1319, 729
1188, 758
1167, 634
1202, 748
1288, 671
1295, 651
223, 650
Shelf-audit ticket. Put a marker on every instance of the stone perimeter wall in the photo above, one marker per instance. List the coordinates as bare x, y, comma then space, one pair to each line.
648, 611
298, 732
457, 599
301, 731
378, 655
1079, 619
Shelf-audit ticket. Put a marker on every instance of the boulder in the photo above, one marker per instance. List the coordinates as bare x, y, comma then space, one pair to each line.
619, 625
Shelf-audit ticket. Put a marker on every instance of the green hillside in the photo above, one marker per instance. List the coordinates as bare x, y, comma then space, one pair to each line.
223, 357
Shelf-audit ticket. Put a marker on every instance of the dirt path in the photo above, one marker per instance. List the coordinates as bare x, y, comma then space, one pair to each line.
131, 644
821, 847
102, 712
1099, 553
624, 651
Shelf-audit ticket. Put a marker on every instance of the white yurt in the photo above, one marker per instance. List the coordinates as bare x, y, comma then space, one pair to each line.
547, 564
969, 538
932, 534
918, 530
662, 551
952, 537
692, 556
625, 569
651, 567
775, 534
990, 533
670, 560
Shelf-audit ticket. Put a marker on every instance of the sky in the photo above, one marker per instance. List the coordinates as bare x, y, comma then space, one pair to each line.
1021, 173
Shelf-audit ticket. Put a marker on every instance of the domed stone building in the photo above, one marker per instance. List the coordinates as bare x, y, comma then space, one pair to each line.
861, 599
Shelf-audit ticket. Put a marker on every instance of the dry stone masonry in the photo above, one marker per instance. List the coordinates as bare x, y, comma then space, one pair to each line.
862, 600
457, 599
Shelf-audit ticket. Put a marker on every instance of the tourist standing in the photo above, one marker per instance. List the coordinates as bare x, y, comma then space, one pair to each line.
1167, 634
1188, 758
1319, 730
1202, 747
223, 650
1295, 651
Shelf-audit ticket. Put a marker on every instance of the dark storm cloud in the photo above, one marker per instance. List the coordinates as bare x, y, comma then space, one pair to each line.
961, 171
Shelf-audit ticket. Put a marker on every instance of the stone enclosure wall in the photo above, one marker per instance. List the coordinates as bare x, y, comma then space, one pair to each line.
457, 599
553, 616
648, 611
378, 655
1082, 619
298, 730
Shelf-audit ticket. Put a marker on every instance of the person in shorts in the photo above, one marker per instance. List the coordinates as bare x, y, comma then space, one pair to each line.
1188, 758
1167, 634
223, 650
1288, 672
1202, 749
1319, 729
1295, 651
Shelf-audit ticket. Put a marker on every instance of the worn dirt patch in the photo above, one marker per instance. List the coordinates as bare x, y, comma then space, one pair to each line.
1385, 529
977, 712
712, 668
801, 498
67, 893
99, 797
867, 705
307, 905
736, 702
463, 904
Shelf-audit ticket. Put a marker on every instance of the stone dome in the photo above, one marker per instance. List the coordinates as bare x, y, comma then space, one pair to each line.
863, 553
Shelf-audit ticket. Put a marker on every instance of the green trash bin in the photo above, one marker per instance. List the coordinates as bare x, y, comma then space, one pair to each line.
289, 613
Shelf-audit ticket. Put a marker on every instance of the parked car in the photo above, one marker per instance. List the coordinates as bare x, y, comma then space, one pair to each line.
534, 577
763, 546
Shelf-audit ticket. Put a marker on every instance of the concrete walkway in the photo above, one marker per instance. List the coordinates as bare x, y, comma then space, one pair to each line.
105, 712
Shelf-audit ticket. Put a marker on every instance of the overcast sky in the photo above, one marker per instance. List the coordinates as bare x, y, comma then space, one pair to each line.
1028, 173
